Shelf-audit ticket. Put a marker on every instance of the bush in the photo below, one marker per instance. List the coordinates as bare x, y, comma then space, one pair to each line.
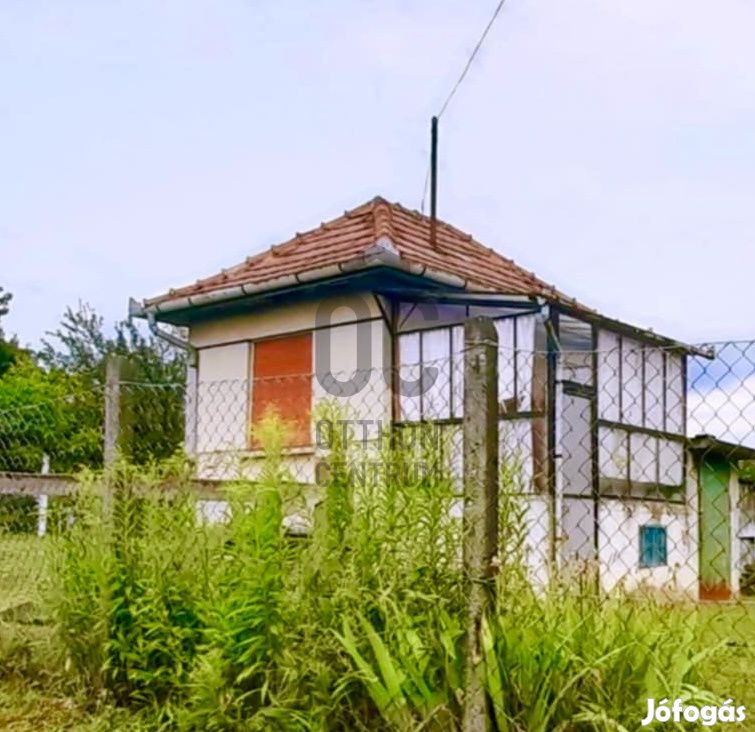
18, 514
128, 585
236, 626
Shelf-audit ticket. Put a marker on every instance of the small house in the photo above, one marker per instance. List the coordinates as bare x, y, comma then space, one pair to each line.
368, 309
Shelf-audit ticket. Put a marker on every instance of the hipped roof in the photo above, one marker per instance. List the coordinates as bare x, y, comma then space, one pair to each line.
379, 226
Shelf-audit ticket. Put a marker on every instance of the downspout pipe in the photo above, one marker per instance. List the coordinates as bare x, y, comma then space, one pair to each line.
137, 310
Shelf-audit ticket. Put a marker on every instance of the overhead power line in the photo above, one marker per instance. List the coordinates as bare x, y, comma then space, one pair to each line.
459, 82
471, 58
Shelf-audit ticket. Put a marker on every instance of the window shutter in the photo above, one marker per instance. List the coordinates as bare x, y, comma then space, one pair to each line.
282, 382
653, 550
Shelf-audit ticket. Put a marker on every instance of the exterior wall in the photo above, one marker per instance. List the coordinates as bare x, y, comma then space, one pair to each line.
619, 547
223, 389
286, 318
221, 414
746, 526
640, 434
641, 414
718, 494
537, 543
638, 399
222, 403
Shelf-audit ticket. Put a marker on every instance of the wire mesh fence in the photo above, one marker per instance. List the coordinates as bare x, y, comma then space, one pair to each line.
631, 466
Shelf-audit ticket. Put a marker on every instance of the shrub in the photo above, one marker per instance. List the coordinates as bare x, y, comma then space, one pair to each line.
18, 514
128, 585
236, 678
360, 626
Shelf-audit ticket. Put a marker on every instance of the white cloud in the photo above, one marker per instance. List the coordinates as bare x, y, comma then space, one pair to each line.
725, 413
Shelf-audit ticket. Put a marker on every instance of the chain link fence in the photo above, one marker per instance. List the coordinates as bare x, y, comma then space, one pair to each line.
632, 467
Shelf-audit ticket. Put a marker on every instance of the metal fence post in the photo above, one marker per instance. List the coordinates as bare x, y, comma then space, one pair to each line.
480, 505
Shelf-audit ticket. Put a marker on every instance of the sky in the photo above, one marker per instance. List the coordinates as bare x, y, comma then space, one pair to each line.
607, 146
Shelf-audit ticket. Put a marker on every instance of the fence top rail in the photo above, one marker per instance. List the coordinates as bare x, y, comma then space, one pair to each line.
59, 484
37, 484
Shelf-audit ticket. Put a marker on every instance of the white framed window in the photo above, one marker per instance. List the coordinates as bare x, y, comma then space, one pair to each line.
431, 370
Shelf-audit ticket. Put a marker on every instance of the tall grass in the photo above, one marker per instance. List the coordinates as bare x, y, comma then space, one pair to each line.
239, 627
128, 578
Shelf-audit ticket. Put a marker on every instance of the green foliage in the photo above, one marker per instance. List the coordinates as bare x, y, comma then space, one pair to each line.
747, 581
128, 584
10, 351
155, 374
80, 345
238, 675
48, 413
18, 514
52, 403
5, 298
567, 657
235, 626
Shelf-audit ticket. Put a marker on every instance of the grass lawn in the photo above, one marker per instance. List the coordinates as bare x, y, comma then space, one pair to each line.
23, 574
732, 673
27, 708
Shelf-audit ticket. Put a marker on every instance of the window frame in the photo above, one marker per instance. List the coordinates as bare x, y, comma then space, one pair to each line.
647, 545
669, 434
456, 361
301, 437
664, 376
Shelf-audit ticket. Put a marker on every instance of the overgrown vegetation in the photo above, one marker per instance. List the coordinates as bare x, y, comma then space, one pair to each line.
52, 399
163, 621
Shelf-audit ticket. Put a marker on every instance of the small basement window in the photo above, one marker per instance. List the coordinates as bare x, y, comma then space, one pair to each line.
653, 549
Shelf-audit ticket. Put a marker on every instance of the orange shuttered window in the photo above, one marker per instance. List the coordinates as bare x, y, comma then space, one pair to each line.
282, 382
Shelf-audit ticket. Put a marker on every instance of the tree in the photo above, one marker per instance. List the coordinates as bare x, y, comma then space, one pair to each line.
5, 298
9, 348
154, 395
52, 402
47, 412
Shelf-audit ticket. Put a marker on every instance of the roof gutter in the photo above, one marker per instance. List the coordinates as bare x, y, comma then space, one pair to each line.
633, 331
382, 258
706, 444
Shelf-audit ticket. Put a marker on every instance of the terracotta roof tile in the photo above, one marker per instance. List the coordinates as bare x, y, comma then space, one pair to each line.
348, 238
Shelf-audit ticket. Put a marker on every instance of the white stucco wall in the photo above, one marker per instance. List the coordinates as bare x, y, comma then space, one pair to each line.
222, 401
225, 357
280, 319
619, 547
537, 542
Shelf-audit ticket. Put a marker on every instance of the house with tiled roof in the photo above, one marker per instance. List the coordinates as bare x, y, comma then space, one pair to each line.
367, 310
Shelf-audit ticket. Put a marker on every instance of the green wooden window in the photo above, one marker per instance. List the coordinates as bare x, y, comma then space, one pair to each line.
653, 542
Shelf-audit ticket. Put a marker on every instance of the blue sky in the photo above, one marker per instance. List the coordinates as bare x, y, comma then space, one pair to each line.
609, 147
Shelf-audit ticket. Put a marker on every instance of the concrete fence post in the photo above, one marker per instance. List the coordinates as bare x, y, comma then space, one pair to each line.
119, 404
191, 404
480, 520
112, 409
42, 500
118, 419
